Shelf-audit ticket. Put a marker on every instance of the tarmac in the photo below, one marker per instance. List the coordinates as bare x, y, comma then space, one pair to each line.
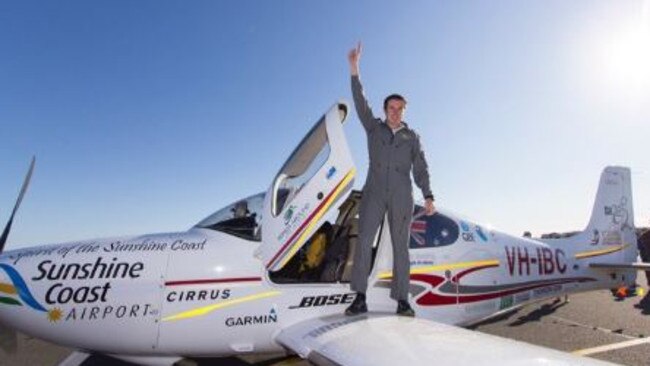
590, 324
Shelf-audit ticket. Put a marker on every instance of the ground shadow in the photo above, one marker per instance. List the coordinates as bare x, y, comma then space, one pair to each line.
102, 360
229, 361
537, 314
234, 361
8, 340
494, 319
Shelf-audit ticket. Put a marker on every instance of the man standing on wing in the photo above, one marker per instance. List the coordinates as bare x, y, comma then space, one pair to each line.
394, 151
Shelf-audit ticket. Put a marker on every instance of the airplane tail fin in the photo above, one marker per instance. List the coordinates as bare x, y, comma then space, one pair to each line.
611, 233
613, 206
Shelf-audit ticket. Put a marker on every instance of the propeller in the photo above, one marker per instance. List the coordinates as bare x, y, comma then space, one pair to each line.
28, 177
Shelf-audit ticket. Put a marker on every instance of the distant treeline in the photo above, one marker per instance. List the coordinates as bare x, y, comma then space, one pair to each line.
639, 232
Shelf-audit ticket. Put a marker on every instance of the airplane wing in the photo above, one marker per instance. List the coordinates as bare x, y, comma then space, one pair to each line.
387, 339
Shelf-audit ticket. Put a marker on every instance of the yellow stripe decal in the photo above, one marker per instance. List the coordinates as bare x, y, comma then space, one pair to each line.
307, 232
594, 253
210, 308
7, 288
443, 267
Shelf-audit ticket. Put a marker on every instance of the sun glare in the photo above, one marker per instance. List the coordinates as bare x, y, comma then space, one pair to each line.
615, 65
626, 58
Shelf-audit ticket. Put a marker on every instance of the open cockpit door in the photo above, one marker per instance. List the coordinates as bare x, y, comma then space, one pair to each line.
315, 179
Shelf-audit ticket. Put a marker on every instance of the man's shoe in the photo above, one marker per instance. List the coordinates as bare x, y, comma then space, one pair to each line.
404, 309
358, 306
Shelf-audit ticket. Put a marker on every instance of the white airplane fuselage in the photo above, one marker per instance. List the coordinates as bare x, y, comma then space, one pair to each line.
204, 293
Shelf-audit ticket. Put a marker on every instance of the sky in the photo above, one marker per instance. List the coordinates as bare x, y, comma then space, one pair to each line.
147, 116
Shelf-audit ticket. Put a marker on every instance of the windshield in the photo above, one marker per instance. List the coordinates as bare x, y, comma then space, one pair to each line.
242, 218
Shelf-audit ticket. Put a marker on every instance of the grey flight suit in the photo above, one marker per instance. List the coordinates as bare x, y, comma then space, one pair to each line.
387, 190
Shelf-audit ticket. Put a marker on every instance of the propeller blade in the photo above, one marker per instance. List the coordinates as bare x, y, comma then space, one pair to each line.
28, 177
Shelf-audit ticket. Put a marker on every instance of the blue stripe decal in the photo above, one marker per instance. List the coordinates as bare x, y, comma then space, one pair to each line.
21, 287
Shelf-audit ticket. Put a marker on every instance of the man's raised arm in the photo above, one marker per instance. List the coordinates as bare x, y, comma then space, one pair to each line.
361, 104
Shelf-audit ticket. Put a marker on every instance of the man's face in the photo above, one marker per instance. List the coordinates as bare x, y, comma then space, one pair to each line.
395, 112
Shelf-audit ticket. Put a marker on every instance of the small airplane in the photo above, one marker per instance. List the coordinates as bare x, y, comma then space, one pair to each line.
270, 273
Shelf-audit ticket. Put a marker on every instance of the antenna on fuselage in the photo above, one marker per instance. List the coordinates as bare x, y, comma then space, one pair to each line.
28, 177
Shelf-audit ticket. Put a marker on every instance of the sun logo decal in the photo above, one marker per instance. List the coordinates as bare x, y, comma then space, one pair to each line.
18, 287
54, 315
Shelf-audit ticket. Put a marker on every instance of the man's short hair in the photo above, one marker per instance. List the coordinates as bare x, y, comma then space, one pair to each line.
394, 97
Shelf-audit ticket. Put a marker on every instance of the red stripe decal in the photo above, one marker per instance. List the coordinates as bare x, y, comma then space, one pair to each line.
432, 280
430, 298
209, 281
459, 275
271, 262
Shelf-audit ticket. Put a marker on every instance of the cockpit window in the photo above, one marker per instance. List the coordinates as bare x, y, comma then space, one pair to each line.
432, 231
242, 218
304, 162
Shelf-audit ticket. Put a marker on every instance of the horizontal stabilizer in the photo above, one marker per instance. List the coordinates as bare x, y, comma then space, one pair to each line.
638, 265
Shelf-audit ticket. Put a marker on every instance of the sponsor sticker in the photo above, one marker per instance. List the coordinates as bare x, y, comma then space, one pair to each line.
330, 173
506, 302
324, 300
249, 320
613, 237
481, 234
86, 301
595, 239
293, 220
